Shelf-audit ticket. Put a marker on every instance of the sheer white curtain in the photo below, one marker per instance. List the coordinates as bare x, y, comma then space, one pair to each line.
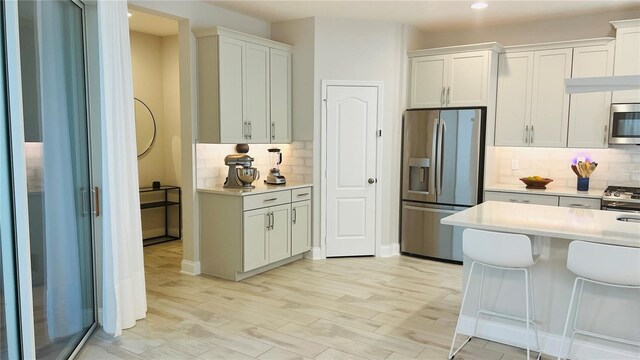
124, 299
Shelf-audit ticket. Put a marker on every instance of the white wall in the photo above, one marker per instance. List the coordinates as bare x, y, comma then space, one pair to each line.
532, 32
365, 50
171, 110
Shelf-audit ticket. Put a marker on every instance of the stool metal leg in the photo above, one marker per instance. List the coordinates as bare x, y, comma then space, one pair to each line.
475, 328
526, 292
455, 333
566, 323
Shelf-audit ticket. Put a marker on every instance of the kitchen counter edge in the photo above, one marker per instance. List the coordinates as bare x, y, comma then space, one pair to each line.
550, 191
260, 189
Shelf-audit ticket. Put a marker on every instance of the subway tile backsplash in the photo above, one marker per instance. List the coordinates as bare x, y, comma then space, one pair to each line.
616, 166
297, 161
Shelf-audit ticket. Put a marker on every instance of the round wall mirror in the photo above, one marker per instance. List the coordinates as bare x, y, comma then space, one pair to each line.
145, 127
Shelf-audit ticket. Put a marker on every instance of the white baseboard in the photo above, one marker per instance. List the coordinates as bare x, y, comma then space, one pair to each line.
190, 267
389, 250
314, 254
549, 343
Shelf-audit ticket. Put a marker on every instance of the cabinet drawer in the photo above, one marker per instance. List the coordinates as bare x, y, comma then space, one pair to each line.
581, 203
301, 194
265, 200
521, 198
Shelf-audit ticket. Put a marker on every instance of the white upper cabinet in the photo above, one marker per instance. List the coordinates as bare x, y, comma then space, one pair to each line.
627, 57
513, 106
280, 67
589, 112
533, 108
549, 101
242, 96
452, 77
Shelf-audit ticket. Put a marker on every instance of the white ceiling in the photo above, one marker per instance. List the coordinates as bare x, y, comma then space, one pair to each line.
425, 15
151, 24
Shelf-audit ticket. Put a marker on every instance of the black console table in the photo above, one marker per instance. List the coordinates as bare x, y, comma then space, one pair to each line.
163, 197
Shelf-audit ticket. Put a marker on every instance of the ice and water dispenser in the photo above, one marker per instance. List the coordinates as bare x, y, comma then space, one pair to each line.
419, 175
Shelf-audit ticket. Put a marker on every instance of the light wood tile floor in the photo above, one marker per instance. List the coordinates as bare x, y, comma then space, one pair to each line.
345, 308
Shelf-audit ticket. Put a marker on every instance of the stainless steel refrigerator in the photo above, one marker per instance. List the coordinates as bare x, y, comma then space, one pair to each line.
442, 171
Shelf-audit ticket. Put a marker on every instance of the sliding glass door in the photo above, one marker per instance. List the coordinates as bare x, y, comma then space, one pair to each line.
56, 135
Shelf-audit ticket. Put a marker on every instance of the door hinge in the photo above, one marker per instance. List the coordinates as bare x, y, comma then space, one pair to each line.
379, 133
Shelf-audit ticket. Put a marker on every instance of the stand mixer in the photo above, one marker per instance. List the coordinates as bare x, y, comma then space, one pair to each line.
241, 174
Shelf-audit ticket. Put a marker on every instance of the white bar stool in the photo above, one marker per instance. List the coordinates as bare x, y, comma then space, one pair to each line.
601, 264
503, 251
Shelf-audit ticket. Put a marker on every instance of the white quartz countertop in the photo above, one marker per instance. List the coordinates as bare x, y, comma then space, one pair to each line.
261, 187
551, 221
550, 190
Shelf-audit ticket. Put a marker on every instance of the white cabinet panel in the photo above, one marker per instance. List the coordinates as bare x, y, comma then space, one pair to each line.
231, 58
280, 64
580, 203
521, 198
256, 95
279, 236
254, 246
627, 61
549, 101
300, 227
428, 81
589, 113
468, 75
515, 73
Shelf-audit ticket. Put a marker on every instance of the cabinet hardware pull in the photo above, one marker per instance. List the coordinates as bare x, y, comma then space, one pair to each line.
519, 201
526, 134
303, 194
273, 221
604, 141
295, 216
272, 199
250, 130
273, 130
442, 96
268, 221
96, 198
531, 134
244, 129
579, 206
448, 95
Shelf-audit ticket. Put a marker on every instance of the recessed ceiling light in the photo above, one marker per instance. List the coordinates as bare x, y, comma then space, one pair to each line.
129, 14
479, 5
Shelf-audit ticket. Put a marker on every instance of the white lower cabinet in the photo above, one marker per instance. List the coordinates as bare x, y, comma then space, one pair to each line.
521, 198
300, 227
243, 235
579, 203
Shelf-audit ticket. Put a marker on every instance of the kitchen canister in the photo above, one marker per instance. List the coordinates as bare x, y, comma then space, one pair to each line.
583, 184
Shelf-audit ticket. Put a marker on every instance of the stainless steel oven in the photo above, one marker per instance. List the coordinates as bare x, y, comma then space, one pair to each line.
623, 199
624, 125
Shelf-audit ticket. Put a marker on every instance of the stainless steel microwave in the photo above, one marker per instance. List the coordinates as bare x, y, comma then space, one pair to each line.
624, 126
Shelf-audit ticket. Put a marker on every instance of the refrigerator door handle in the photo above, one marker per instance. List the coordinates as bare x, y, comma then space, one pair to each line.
428, 209
443, 128
436, 139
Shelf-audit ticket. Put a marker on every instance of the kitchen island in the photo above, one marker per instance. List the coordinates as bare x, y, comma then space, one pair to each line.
612, 311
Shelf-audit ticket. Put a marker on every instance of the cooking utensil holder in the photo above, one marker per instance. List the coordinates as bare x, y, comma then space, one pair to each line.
583, 184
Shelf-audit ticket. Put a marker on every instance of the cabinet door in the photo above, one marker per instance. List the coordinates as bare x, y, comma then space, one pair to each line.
549, 101
255, 252
515, 72
627, 61
589, 112
280, 64
427, 81
468, 75
256, 94
231, 54
579, 202
300, 227
280, 233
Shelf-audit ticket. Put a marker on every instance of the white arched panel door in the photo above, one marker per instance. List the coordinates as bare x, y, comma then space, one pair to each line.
351, 123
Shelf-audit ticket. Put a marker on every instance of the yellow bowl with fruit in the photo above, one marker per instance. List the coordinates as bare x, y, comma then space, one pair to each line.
536, 182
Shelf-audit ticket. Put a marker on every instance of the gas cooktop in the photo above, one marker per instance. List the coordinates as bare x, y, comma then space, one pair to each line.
622, 194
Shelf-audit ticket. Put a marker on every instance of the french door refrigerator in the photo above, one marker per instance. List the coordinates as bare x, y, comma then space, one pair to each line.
442, 171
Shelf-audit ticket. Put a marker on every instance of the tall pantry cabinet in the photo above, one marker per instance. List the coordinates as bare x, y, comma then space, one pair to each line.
244, 88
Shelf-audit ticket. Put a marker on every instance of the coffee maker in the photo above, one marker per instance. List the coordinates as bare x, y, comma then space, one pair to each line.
241, 174
275, 159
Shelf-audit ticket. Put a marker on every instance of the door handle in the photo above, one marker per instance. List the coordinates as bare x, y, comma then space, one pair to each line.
531, 142
441, 156
96, 201
519, 201
294, 216
371, 180
273, 130
604, 141
526, 134
245, 130
272, 199
442, 96
268, 221
250, 130
273, 221
448, 95
433, 178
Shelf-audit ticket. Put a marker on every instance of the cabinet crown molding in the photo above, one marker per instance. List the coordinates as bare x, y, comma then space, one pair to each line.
493, 46
558, 45
618, 24
219, 31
